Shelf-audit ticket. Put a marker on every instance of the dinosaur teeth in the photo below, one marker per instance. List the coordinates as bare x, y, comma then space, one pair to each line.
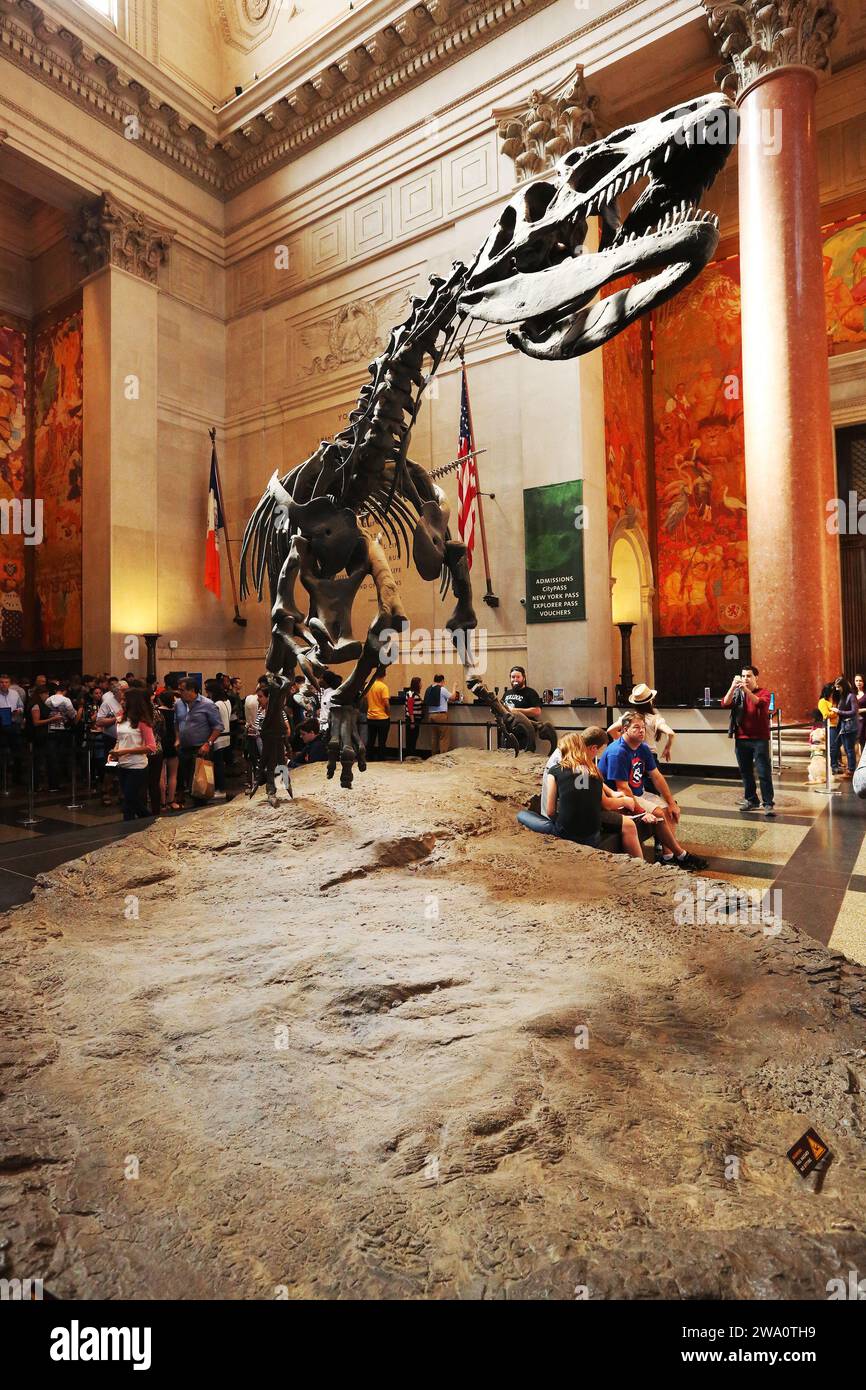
667, 153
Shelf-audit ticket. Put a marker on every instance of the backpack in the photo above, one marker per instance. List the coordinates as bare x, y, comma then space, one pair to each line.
431, 696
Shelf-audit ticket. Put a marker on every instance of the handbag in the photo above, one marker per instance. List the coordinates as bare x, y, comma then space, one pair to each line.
203, 780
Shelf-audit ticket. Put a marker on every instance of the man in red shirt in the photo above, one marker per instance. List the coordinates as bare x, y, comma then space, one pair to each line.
750, 723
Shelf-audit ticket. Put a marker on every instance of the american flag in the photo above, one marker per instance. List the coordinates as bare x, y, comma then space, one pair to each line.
467, 487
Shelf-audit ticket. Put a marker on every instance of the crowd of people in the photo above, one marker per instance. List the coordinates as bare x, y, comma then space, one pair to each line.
136, 742
842, 708
139, 742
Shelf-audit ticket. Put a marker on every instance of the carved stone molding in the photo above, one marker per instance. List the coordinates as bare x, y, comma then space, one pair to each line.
534, 137
755, 37
109, 233
221, 152
244, 24
356, 332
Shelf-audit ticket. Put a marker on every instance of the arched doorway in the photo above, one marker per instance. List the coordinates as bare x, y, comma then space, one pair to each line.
631, 593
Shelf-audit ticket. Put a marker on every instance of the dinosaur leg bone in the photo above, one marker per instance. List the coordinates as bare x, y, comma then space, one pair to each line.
330, 619
287, 621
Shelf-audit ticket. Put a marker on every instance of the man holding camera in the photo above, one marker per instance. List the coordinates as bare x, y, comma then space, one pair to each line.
750, 729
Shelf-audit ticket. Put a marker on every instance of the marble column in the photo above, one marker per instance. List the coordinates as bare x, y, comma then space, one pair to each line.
774, 53
122, 252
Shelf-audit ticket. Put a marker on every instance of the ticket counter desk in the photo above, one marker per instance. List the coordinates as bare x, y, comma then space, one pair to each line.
701, 748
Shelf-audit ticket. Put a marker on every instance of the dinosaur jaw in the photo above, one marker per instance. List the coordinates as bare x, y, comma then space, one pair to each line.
553, 309
569, 324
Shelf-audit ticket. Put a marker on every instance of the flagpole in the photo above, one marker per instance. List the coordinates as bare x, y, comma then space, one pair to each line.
241, 622
489, 598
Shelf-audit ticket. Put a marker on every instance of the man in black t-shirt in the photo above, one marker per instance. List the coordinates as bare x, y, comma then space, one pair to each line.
522, 696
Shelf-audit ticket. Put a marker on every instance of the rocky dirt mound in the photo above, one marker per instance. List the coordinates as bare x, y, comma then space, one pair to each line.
383, 1043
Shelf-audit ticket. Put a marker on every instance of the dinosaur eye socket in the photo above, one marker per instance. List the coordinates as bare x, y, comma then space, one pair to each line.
679, 111
537, 200
593, 169
506, 231
619, 135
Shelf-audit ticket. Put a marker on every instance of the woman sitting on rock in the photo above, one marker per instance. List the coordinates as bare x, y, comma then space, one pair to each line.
579, 805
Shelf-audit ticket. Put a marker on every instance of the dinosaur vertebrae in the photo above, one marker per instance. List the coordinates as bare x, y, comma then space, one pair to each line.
363, 466
381, 424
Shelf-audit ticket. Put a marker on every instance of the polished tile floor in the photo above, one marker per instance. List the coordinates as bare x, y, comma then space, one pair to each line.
814, 852
59, 834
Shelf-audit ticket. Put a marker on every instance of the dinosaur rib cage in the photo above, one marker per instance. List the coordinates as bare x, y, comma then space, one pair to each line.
267, 540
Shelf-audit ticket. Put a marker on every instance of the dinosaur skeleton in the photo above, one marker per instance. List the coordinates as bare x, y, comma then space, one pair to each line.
516, 729
533, 273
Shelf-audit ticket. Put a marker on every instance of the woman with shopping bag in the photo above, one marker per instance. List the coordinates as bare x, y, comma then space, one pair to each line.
135, 741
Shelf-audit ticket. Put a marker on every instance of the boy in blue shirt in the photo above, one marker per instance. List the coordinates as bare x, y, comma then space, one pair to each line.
627, 765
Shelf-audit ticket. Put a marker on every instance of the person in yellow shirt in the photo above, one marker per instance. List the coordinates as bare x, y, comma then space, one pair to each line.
378, 716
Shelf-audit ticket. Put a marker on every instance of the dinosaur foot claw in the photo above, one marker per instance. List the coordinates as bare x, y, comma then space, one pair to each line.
462, 619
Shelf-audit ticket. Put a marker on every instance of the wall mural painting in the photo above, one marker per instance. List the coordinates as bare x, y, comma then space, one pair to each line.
58, 390
703, 575
13, 443
624, 427
845, 284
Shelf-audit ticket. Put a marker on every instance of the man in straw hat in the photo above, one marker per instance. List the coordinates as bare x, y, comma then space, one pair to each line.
660, 735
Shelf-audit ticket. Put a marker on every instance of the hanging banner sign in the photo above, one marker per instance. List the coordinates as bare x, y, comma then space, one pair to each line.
553, 524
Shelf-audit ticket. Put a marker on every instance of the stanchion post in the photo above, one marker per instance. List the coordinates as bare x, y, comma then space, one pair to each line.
400, 739
74, 805
828, 788
31, 819
4, 757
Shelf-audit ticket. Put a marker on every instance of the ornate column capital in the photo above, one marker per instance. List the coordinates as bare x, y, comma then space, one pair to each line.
110, 233
757, 37
536, 135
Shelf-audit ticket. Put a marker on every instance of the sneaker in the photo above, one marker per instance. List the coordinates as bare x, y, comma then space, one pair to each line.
218, 796
671, 862
770, 810
691, 861
746, 805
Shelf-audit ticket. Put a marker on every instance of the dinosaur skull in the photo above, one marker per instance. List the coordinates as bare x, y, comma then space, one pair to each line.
534, 272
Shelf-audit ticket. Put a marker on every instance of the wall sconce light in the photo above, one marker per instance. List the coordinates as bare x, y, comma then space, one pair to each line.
151, 639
